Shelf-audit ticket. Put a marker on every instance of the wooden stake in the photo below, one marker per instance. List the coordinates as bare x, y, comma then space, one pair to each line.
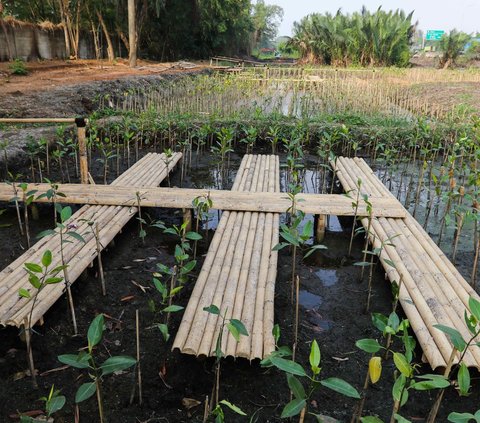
139, 371
320, 226
82, 149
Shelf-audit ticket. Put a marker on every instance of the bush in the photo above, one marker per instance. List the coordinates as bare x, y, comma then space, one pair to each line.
18, 67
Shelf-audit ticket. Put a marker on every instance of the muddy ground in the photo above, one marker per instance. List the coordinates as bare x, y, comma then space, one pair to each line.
332, 312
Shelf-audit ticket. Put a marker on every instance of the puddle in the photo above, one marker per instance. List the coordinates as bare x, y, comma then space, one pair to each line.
309, 300
334, 224
328, 277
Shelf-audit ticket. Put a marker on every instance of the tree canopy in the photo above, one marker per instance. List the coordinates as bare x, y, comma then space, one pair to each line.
364, 38
167, 29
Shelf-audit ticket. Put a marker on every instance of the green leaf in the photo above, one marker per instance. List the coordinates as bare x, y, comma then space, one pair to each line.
379, 321
65, 214
307, 229
47, 258
454, 335
431, 382
233, 407
314, 357
193, 236
296, 387
77, 361
340, 386
398, 387
213, 309
34, 281
51, 281
188, 267
474, 306
117, 363
76, 236
461, 417
276, 333
402, 364
233, 330
368, 345
393, 321
55, 404
22, 292
280, 246
370, 419
463, 380
290, 238
172, 308
95, 331
85, 392
33, 267
239, 326
164, 330
288, 366
293, 408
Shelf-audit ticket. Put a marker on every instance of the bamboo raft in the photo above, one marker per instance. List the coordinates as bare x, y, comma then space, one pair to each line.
238, 275
432, 290
14, 310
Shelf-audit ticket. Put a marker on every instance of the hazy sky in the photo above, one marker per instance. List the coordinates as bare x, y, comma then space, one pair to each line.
431, 14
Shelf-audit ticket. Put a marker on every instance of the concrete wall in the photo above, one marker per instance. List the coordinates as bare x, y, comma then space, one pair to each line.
31, 42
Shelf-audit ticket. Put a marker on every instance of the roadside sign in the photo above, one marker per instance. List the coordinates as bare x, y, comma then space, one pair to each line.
434, 34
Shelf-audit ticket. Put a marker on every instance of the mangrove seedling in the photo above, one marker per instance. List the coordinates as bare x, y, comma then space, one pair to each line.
236, 328
39, 276
219, 413
53, 402
301, 395
96, 372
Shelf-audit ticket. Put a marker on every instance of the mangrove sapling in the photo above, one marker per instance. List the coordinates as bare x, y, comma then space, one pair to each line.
219, 414
166, 303
15, 199
202, 205
273, 135
67, 234
98, 245
301, 395
460, 345
141, 221
88, 360
51, 194
27, 198
236, 328
419, 187
250, 137
355, 205
39, 276
53, 402
167, 160
461, 213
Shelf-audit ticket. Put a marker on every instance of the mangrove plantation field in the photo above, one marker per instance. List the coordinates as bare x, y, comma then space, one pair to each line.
344, 351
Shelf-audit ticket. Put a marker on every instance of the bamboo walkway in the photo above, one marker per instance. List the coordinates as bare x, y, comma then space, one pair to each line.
238, 275
14, 310
432, 290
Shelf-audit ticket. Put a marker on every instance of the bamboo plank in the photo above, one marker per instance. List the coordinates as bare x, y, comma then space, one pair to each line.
182, 198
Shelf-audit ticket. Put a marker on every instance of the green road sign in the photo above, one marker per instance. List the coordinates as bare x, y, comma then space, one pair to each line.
434, 34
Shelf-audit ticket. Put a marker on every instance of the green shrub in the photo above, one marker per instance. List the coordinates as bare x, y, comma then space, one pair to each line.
18, 67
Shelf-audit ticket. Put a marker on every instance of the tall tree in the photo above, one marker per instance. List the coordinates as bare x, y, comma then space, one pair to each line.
266, 20
132, 34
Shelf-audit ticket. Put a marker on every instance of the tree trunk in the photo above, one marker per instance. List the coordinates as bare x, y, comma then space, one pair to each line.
110, 53
132, 34
68, 48
124, 39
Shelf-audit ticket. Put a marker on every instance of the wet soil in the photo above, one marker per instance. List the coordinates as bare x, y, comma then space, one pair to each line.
332, 311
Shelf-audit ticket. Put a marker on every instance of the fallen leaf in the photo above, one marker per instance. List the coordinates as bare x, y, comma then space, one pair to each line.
56, 369
189, 403
23, 374
127, 298
340, 358
139, 260
143, 288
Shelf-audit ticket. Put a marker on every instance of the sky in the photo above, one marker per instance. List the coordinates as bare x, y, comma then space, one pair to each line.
463, 15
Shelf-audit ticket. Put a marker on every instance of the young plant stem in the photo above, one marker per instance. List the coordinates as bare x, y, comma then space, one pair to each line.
99, 258
139, 371
370, 279
436, 406
17, 208
294, 259
67, 285
99, 400
354, 220
295, 336
358, 413
25, 219
28, 340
